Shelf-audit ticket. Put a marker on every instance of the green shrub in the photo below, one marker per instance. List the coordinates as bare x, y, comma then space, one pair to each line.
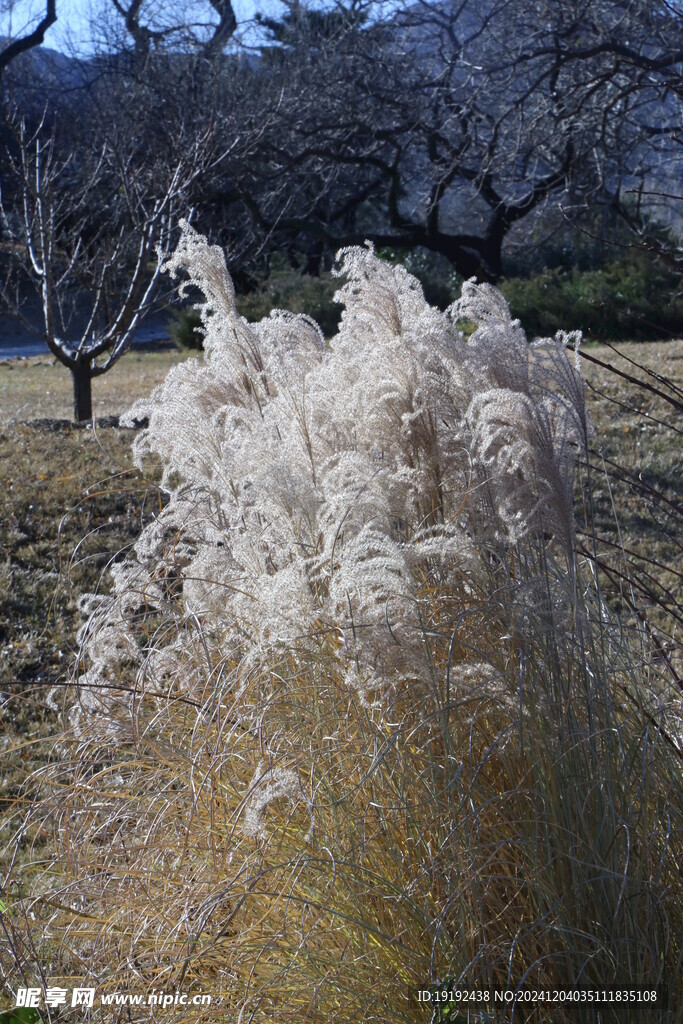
284, 289
185, 328
440, 283
297, 292
632, 298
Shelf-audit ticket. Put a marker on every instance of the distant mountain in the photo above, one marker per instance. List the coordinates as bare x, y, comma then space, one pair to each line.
42, 74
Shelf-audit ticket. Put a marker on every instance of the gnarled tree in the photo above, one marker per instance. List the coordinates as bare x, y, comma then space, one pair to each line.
447, 124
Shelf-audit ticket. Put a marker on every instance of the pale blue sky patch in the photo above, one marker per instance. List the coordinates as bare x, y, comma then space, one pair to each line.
86, 25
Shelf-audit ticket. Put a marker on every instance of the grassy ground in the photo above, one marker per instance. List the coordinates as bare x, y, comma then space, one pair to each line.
69, 499
39, 387
637, 475
69, 502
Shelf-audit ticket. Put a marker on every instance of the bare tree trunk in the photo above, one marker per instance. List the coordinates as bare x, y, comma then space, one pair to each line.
82, 379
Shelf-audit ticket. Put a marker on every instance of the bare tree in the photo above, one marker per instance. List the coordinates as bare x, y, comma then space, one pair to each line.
446, 124
93, 242
437, 123
33, 35
202, 27
93, 184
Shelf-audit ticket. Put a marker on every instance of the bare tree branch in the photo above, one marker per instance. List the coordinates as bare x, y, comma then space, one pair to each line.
31, 39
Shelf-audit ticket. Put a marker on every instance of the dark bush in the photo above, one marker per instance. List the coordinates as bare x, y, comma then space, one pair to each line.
634, 297
185, 328
284, 289
440, 283
300, 293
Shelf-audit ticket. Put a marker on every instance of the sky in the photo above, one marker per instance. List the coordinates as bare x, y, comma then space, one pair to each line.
17, 16
74, 17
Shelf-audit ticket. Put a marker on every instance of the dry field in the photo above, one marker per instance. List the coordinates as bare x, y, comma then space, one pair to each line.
40, 388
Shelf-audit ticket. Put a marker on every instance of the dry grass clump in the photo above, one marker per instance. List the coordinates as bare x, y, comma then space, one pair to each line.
276, 842
355, 718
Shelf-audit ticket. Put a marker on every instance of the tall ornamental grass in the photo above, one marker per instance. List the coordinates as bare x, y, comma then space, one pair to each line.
355, 718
